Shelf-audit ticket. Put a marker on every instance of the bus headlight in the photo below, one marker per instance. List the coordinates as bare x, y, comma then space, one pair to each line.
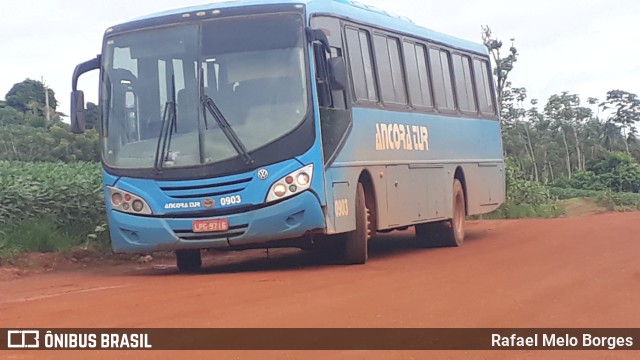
294, 183
128, 202
279, 190
303, 179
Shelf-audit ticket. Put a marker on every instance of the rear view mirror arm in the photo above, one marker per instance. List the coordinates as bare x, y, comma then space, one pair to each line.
84, 67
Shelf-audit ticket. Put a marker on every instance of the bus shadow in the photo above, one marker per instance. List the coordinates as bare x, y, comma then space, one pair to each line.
405, 242
381, 247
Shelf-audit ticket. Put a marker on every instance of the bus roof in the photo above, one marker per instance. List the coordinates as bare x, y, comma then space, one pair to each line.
354, 10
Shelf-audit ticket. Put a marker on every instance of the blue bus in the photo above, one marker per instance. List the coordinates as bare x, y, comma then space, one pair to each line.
279, 123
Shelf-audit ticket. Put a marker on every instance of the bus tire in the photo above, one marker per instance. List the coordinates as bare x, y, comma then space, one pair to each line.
357, 241
448, 233
188, 261
455, 236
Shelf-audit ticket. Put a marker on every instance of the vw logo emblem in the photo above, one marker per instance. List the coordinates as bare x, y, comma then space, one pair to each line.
263, 174
209, 203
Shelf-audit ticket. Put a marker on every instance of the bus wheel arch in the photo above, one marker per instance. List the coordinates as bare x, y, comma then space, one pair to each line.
357, 241
459, 175
370, 198
449, 233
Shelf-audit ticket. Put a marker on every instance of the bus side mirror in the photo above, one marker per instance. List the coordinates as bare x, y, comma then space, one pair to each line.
78, 112
337, 73
319, 36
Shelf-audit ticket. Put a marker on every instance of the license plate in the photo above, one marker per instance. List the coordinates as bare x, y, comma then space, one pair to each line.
214, 225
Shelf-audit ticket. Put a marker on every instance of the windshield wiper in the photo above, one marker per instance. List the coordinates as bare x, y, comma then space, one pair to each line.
168, 127
209, 105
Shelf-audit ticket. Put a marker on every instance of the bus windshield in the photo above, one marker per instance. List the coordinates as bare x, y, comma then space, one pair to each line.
252, 68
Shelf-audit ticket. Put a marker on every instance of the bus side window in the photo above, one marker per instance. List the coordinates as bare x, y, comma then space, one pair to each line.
361, 63
442, 83
485, 97
464, 84
339, 95
328, 95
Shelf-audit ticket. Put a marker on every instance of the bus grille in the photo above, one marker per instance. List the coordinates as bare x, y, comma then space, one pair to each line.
233, 232
205, 188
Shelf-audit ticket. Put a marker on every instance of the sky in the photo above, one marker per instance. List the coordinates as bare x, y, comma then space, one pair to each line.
585, 47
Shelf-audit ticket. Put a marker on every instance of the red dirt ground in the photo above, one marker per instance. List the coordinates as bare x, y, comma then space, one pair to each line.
569, 272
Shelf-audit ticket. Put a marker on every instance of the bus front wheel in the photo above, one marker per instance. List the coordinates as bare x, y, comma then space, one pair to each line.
447, 233
357, 241
189, 260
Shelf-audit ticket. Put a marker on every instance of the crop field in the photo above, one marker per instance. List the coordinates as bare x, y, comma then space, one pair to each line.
48, 206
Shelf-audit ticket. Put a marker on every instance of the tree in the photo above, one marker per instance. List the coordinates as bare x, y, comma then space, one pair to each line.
29, 96
627, 113
567, 116
92, 115
619, 171
503, 65
11, 116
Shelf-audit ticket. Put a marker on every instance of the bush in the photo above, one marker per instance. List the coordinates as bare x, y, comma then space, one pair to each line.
617, 201
67, 193
510, 210
39, 144
584, 180
49, 207
525, 198
608, 199
570, 193
616, 171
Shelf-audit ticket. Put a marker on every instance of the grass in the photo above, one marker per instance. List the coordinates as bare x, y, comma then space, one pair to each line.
612, 201
46, 236
567, 197
510, 210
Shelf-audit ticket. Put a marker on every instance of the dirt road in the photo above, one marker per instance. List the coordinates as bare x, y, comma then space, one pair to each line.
571, 272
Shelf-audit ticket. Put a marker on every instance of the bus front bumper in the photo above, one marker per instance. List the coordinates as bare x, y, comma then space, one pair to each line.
289, 219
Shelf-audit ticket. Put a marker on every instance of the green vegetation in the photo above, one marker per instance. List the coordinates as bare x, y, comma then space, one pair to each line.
28, 134
29, 97
525, 198
50, 180
49, 206
566, 136
45, 235
612, 181
69, 193
614, 201
615, 172
567, 148
56, 143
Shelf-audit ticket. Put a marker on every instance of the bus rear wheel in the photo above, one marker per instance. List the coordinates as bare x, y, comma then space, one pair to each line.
189, 261
447, 233
357, 241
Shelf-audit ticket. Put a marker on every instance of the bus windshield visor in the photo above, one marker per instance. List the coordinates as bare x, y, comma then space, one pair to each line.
251, 68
